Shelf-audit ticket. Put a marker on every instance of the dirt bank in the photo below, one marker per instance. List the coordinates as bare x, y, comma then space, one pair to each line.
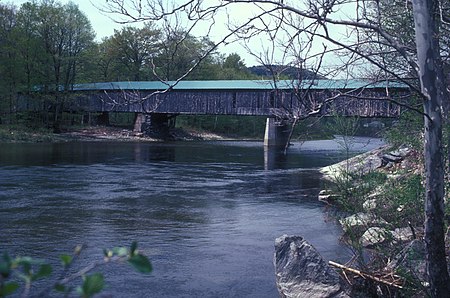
96, 133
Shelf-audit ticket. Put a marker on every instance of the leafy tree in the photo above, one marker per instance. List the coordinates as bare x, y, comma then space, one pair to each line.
133, 48
51, 41
79, 39
180, 54
30, 47
66, 33
105, 62
233, 68
8, 58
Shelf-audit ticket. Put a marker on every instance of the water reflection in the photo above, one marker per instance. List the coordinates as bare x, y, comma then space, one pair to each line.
273, 158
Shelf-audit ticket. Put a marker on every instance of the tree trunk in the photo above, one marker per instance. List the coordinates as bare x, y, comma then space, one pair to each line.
434, 92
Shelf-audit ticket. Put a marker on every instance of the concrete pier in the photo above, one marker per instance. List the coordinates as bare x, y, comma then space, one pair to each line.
277, 133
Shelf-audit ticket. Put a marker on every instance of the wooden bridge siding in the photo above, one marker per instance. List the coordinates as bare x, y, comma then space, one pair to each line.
351, 106
179, 102
227, 102
199, 102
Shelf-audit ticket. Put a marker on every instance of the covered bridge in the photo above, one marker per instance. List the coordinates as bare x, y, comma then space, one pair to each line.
154, 102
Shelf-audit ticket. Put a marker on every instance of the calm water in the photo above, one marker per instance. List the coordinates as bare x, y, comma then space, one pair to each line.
205, 213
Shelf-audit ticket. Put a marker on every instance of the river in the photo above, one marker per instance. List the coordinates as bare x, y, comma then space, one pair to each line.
206, 213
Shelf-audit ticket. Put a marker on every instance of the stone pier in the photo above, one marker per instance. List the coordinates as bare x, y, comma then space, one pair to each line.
153, 125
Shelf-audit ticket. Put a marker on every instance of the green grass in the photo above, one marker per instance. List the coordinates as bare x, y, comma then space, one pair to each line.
23, 134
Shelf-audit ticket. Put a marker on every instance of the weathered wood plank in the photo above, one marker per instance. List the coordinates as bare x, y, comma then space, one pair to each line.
225, 102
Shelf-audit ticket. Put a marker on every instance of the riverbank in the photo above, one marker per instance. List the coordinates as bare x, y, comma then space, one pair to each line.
16, 134
380, 198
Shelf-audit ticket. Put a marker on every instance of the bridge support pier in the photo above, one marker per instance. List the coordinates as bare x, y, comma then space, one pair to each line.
153, 125
277, 133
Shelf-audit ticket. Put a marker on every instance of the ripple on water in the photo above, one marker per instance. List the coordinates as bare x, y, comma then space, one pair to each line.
207, 215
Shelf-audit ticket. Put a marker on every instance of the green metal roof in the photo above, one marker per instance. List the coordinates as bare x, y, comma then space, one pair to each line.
237, 85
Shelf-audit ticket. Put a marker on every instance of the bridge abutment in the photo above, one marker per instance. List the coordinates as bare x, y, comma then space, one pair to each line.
276, 134
155, 125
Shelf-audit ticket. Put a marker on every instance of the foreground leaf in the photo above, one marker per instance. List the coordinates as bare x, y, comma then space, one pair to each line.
60, 288
66, 260
140, 263
5, 265
120, 251
93, 284
8, 289
44, 270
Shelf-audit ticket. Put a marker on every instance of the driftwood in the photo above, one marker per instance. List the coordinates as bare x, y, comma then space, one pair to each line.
393, 280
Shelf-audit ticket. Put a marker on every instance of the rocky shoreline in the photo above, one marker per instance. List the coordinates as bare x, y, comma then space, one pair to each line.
366, 232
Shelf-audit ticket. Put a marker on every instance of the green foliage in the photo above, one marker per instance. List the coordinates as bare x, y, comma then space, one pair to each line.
404, 202
233, 68
407, 131
92, 284
390, 198
140, 263
353, 188
66, 260
128, 54
28, 270
312, 129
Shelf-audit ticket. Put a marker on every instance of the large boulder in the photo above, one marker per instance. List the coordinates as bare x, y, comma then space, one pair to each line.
359, 165
301, 271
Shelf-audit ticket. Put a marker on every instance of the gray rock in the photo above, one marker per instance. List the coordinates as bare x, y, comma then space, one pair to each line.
396, 155
391, 158
370, 205
402, 152
402, 234
367, 165
361, 219
374, 236
389, 165
301, 271
360, 165
327, 196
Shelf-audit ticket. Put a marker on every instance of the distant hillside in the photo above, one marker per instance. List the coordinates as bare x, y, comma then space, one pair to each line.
286, 72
